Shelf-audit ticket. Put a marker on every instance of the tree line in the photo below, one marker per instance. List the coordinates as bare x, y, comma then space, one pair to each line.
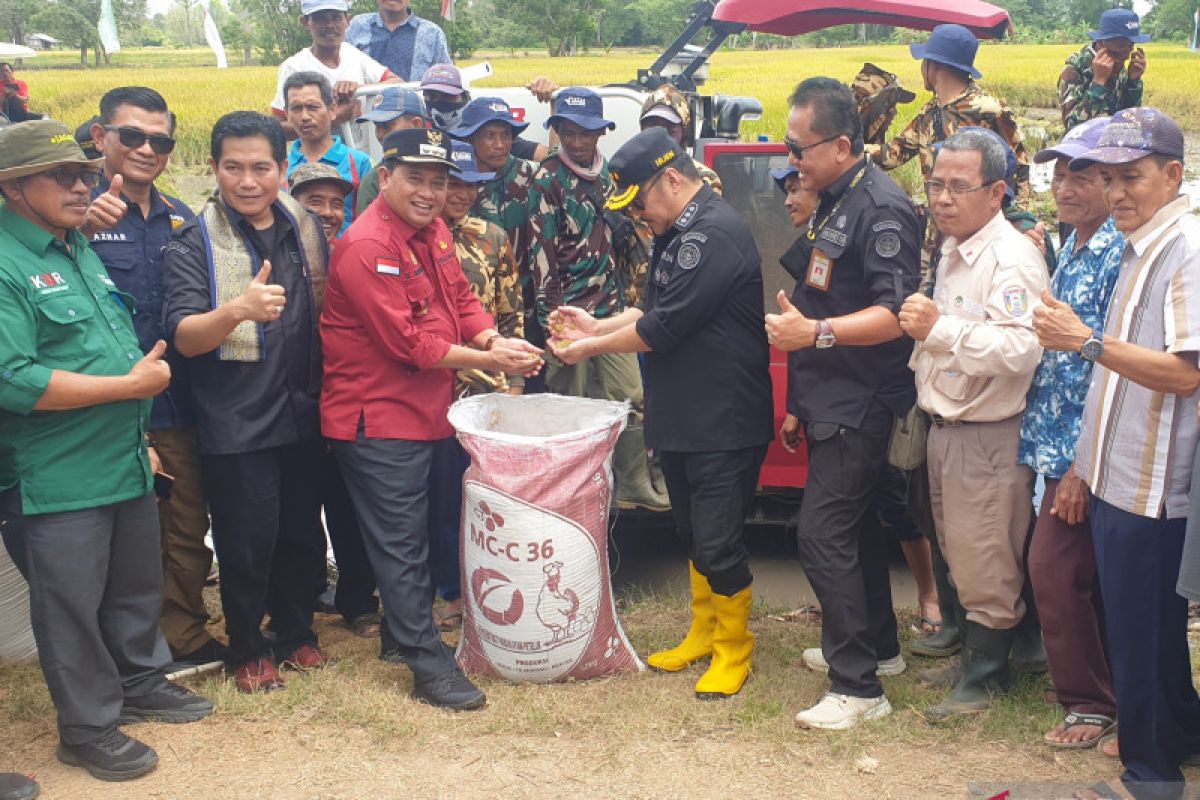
267, 31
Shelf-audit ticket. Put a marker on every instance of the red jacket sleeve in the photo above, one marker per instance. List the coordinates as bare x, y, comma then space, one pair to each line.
379, 301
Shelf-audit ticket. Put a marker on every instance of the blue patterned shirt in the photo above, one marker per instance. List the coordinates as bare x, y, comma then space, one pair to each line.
413, 47
1054, 411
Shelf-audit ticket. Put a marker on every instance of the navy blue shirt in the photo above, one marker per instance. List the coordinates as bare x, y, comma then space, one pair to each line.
132, 251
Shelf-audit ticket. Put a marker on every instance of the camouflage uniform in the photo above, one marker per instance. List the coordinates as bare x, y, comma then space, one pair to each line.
878, 92
936, 123
1081, 99
573, 260
487, 260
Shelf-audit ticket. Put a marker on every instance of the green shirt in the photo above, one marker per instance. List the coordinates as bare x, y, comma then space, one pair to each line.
60, 310
368, 190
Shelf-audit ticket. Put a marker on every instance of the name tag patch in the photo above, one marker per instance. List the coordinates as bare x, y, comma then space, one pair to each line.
836, 237
110, 236
820, 270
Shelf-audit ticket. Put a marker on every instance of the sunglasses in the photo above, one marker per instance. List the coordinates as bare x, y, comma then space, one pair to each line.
639, 202
67, 177
798, 150
133, 138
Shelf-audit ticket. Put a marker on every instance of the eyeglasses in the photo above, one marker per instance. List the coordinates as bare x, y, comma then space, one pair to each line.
935, 188
133, 138
798, 150
639, 202
67, 177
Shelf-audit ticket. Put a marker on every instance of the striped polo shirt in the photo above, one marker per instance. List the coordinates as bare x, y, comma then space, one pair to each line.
1136, 445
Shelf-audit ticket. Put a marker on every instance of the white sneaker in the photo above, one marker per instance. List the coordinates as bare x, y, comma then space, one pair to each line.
814, 659
838, 712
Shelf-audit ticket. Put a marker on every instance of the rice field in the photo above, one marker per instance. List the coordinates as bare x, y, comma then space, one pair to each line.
1024, 75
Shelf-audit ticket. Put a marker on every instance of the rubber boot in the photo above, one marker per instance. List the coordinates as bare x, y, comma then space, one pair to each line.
698, 643
1029, 650
985, 672
733, 644
634, 489
948, 640
946, 676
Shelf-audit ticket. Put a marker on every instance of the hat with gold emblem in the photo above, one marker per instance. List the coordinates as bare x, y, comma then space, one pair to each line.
39, 145
418, 146
639, 160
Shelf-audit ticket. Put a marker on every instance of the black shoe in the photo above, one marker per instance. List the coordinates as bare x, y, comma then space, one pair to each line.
112, 757
450, 690
210, 651
167, 703
17, 787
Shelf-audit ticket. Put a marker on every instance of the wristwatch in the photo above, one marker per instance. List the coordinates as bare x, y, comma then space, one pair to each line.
1093, 348
825, 337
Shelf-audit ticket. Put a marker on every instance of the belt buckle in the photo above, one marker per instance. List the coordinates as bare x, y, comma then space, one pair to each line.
942, 422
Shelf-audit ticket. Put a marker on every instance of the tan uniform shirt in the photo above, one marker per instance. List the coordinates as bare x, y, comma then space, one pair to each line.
979, 358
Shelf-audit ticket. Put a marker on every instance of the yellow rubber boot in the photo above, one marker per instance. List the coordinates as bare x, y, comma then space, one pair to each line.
733, 645
698, 643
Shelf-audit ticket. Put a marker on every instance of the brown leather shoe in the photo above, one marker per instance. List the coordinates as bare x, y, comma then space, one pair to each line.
306, 657
258, 675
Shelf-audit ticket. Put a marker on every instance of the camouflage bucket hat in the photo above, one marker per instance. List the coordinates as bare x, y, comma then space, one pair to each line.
28, 148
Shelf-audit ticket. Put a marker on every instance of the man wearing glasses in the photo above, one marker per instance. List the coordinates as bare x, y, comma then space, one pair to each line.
75, 480
130, 222
974, 361
847, 382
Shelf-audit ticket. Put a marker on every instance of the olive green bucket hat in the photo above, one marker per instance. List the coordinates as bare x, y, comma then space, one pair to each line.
28, 148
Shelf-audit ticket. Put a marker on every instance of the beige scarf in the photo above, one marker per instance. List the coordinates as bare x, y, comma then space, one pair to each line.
232, 261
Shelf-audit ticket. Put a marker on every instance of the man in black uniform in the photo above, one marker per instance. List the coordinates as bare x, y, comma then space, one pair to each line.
848, 378
700, 316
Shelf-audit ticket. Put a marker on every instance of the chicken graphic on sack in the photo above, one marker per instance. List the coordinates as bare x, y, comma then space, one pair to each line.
556, 607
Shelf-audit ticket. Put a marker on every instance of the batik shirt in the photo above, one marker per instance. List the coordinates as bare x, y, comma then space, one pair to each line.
935, 123
1081, 99
487, 261
1054, 412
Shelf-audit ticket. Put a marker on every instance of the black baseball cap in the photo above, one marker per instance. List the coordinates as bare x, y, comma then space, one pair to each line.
418, 146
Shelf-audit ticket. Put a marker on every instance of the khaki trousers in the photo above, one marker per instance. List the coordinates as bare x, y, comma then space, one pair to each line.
619, 375
186, 560
982, 505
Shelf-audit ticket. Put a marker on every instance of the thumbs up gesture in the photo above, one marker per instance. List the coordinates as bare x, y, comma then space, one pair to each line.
151, 375
262, 301
790, 329
106, 210
1057, 325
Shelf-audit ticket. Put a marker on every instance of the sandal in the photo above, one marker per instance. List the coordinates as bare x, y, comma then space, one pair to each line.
926, 627
1075, 720
366, 626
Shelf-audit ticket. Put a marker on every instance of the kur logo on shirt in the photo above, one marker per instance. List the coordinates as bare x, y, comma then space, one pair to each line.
47, 280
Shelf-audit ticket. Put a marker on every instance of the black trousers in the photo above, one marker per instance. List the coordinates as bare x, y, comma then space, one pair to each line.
95, 592
450, 461
388, 480
266, 521
843, 550
711, 493
355, 595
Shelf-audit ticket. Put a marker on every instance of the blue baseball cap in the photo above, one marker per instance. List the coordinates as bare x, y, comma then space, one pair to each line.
392, 103
581, 106
952, 45
781, 176
1132, 134
1120, 23
1079, 140
481, 111
463, 156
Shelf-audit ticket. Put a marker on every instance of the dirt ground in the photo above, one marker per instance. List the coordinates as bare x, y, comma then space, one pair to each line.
351, 731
